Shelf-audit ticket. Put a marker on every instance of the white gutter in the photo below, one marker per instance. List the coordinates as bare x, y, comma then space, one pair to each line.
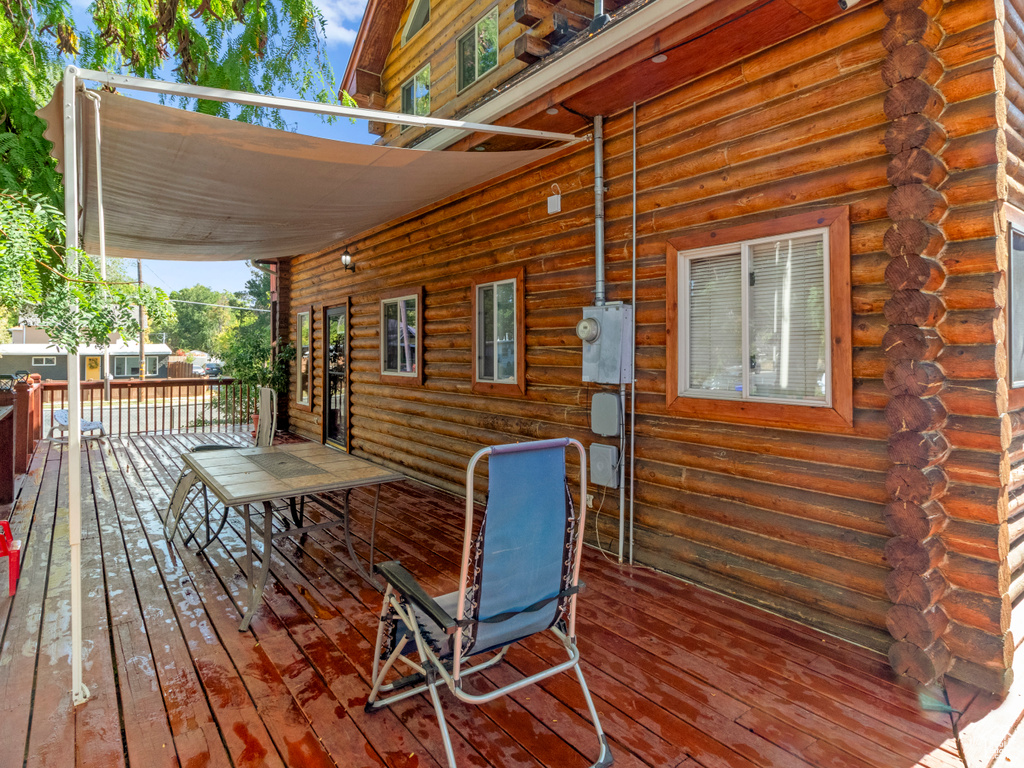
298, 105
612, 40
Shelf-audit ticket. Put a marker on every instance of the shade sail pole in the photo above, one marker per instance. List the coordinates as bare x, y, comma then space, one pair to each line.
79, 693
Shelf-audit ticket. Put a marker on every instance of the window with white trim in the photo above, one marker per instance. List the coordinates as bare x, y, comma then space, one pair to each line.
478, 49
126, 365
152, 365
418, 18
416, 94
496, 332
754, 320
302, 358
40, 361
399, 336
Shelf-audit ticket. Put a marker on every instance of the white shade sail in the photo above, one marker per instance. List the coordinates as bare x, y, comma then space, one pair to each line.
186, 186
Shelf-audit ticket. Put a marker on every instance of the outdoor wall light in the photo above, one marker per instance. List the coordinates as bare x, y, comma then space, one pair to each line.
346, 261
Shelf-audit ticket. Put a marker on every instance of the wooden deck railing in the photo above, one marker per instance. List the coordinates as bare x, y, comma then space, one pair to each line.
158, 405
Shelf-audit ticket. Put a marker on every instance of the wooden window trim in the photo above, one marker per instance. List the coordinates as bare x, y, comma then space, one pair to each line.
1014, 220
490, 387
300, 406
469, 31
415, 380
324, 384
838, 417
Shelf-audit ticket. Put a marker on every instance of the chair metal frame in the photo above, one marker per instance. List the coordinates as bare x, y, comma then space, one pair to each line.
430, 670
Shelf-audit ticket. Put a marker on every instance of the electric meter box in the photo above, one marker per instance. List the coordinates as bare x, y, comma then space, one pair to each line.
608, 359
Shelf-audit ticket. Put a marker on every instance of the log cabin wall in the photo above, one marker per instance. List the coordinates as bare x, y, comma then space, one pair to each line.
435, 44
1010, 139
795, 520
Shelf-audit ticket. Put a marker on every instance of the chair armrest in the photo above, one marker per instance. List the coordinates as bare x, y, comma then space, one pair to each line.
211, 447
406, 585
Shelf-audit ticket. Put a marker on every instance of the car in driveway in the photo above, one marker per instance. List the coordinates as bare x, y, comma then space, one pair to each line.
212, 369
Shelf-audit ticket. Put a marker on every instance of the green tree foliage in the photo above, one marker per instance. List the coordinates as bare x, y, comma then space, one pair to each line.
261, 46
194, 326
246, 347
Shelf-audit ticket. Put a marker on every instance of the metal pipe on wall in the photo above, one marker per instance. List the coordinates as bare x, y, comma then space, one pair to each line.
599, 297
632, 385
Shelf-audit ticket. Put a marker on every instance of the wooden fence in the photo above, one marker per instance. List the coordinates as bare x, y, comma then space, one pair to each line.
159, 405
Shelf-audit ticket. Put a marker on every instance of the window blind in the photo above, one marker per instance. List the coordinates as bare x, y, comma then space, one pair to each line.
715, 341
787, 319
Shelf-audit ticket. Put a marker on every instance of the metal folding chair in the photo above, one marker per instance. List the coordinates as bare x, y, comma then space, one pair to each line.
519, 577
189, 496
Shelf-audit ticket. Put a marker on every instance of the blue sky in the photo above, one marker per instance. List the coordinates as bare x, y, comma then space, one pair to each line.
343, 17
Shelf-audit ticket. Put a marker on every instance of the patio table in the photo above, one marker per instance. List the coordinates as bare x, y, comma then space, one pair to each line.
243, 477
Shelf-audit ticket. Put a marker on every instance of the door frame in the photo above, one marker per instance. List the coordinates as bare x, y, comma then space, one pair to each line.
346, 310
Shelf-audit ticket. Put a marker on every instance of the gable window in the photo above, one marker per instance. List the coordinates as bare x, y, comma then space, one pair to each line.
759, 328
416, 94
401, 353
303, 343
418, 18
498, 333
38, 361
478, 49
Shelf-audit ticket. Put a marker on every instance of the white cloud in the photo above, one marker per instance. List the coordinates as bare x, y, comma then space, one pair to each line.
343, 17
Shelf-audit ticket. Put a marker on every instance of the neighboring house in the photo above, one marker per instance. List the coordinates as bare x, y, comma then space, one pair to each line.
50, 363
825, 211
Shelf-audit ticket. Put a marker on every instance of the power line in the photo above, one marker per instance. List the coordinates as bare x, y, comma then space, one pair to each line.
222, 306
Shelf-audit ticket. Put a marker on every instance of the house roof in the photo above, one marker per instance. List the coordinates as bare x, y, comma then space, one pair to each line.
186, 186
48, 349
372, 44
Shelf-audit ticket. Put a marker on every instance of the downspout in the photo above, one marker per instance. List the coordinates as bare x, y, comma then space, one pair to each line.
599, 297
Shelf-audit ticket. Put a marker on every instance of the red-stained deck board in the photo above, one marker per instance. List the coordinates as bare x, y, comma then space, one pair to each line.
146, 622
24, 614
683, 678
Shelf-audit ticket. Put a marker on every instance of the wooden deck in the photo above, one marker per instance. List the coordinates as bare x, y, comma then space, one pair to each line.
682, 677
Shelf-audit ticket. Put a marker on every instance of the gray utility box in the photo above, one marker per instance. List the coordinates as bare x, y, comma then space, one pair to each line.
604, 465
608, 359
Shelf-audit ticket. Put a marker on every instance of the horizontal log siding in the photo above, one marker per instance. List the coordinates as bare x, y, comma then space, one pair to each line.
436, 45
787, 519
1007, 549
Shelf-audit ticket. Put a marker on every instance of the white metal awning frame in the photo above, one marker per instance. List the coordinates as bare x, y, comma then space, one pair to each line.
73, 83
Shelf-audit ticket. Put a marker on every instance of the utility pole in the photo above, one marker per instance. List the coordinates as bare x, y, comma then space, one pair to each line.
142, 327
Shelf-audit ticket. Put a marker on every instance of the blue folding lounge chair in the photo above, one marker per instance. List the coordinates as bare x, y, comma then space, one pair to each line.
187, 493
520, 576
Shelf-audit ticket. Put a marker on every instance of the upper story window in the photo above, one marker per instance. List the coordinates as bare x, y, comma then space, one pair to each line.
478, 49
416, 94
759, 322
401, 348
498, 333
418, 18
